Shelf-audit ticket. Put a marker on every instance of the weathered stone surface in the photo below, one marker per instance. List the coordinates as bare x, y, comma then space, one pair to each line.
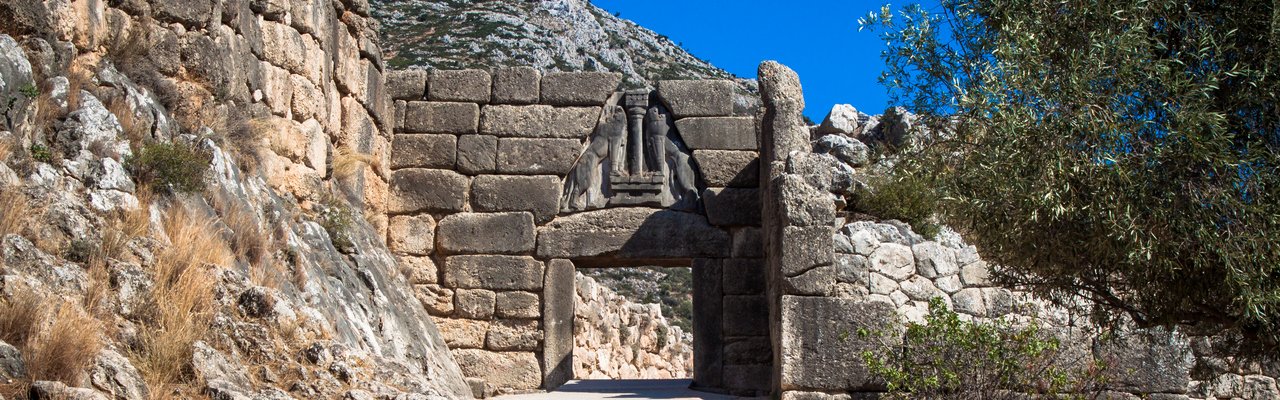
748, 379
441, 117
493, 272
719, 133
893, 260
473, 303
728, 168
477, 154
636, 233
698, 98
413, 235
933, 260
919, 288
539, 121
539, 195
821, 332
744, 276
423, 151
748, 243
579, 88
803, 248
1147, 361
11, 364
801, 204
462, 333
486, 233
843, 119
970, 301
748, 350
975, 274
419, 270
113, 373
436, 299
516, 371
557, 316
732, 206
518, 85
517, 305
782, 127
818, 170
467, 85
408, 85
708, 323
416, 190
192, 13
848, 150
537, 156
514, 335
817, 281
746, 315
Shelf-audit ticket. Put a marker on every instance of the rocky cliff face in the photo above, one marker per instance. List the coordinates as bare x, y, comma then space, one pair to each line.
185, 188
615, 338
559, 35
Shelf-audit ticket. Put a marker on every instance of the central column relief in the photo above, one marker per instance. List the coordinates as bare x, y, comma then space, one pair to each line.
635, 157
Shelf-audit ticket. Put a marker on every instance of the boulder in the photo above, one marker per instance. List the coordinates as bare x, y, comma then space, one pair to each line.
842, 120
849, 151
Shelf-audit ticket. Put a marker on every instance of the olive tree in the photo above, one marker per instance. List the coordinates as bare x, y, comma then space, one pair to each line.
1123, 151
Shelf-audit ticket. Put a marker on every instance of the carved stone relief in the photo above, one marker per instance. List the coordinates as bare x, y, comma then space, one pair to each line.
634, 158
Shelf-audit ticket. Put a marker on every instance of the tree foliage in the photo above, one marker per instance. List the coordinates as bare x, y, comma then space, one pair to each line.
1125, 151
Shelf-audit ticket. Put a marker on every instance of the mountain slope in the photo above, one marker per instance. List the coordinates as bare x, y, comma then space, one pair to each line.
552, 35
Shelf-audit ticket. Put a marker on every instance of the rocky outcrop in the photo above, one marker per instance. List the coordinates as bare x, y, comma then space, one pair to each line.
615, 338
283, 106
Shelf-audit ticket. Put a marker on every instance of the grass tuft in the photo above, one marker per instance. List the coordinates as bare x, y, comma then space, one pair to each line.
66, 349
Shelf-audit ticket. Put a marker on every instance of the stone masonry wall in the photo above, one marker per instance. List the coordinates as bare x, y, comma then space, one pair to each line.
615, 338
828, 277
477, 215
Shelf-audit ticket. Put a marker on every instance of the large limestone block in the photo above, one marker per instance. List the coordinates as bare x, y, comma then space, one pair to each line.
933, 260
744, 276
748, 243
782, 127
436, 299
408, 85
1147, 361
486, 233
732, 206
728, 168
474, 303
748, 380
506, 370
537, 156
517, 305
514, 335
557, 316
579, 88
493, 272
539, 121
719, 133
708, 326
413, 235
893, 260
191, 13
821, 348
801, 204
636, 233
416, 190
477, 154
424, 151
518, 85
419, 270
539, 195
468, 85
804, 248
462, 333
441, 117
698, 98
746, 315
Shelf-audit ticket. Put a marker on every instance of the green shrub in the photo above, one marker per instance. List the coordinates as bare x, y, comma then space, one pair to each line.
946, 357
175, 167
41, 153
904, 196
30, 91
337, 218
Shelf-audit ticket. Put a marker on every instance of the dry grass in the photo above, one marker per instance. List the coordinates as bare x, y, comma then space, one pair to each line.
346, 163
15, 213
121, 227
6, 149
251, 243
180, 304
133, 130
65, 350
20, 317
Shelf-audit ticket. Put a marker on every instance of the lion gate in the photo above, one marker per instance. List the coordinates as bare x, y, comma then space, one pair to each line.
502, 183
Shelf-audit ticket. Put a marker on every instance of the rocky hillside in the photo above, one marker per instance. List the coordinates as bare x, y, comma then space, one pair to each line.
554, 35
191, 195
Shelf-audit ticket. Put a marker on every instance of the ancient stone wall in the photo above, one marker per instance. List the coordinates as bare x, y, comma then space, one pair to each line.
828, 278
502, 182
616, 338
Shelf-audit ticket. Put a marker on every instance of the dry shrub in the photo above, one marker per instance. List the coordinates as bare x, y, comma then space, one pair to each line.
180, 304
347, 163
16, 211
65, 350
20, 317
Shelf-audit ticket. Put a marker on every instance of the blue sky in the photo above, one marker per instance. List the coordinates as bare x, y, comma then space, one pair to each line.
817, 38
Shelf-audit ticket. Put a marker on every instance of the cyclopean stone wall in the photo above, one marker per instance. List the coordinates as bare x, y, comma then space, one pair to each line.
503, 182
828, 278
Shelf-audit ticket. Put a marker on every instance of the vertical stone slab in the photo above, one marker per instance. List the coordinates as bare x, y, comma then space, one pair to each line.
708, 340
557, 324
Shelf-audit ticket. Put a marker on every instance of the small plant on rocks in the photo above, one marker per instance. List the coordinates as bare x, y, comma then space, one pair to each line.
176, 167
